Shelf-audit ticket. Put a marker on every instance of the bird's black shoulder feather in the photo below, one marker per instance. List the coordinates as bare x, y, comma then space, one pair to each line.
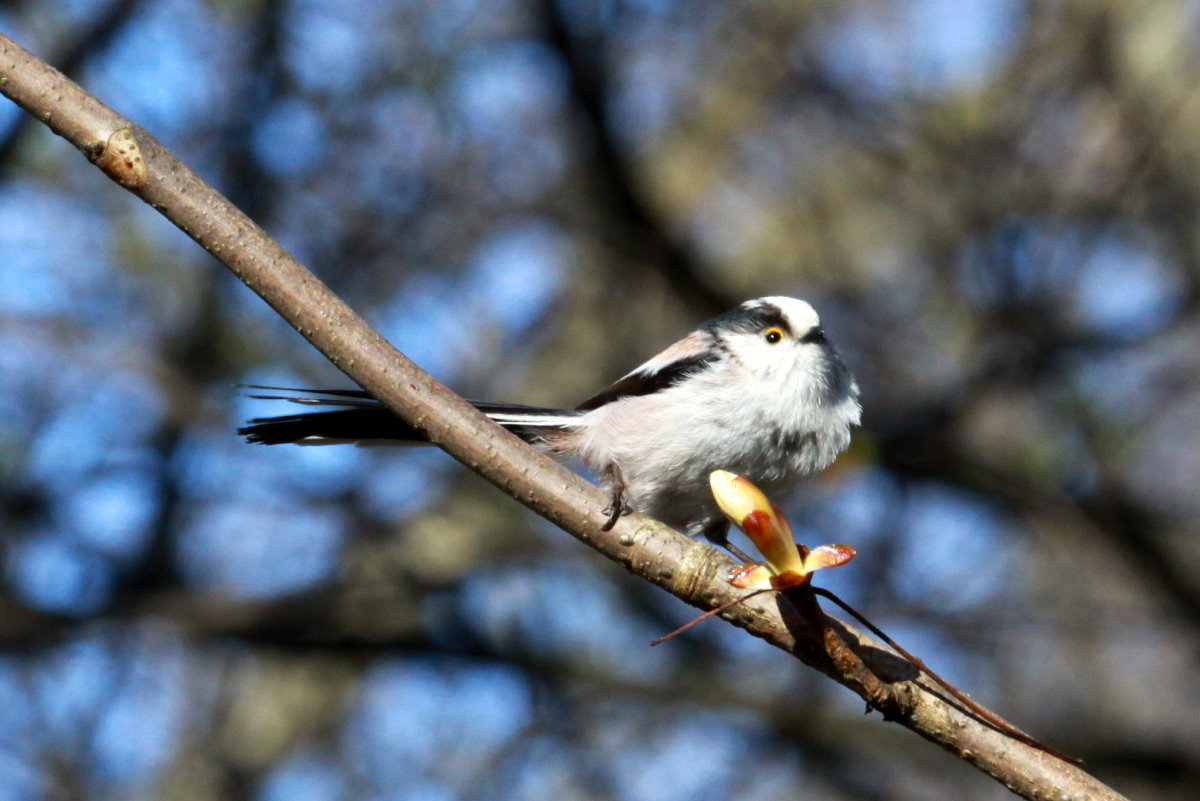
641, 382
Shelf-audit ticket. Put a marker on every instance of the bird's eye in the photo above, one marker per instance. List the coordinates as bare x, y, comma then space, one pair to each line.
773, 336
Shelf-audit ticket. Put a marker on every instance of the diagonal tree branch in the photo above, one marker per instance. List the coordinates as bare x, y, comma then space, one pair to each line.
89, 41
692, 571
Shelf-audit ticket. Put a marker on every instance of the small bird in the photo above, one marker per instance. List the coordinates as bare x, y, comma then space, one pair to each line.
758, 391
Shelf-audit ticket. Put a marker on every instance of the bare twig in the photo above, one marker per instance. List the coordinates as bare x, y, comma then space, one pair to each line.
690, 570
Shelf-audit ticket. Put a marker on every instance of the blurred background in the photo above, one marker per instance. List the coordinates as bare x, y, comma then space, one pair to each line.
994, 204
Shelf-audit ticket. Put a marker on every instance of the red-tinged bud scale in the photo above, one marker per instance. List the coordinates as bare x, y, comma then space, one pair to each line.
754, 576
828, 556
788, 564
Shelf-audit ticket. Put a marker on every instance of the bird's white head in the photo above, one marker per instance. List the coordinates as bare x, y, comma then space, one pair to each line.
780, 340
769, 334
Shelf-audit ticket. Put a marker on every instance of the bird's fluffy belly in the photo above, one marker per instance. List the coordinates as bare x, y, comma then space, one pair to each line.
657, 448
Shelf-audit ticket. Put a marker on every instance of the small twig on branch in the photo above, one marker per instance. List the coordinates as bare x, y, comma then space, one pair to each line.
690, 570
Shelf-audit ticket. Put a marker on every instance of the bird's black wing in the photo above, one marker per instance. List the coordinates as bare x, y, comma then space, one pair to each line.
646, 382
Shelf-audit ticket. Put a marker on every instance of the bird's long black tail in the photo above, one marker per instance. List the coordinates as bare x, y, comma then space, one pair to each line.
363, 420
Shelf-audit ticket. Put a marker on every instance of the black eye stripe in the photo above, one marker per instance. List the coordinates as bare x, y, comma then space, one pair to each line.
815, 336
750, 320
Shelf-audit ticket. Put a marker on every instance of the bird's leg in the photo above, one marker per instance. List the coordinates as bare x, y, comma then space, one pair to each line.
717, 532
615, 482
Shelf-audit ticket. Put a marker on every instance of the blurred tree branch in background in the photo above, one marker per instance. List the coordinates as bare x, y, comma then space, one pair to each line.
993, 205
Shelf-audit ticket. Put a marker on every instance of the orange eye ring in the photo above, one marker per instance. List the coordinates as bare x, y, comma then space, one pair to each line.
773, 335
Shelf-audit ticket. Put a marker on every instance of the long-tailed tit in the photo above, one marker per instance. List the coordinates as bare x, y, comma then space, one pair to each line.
758, 391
